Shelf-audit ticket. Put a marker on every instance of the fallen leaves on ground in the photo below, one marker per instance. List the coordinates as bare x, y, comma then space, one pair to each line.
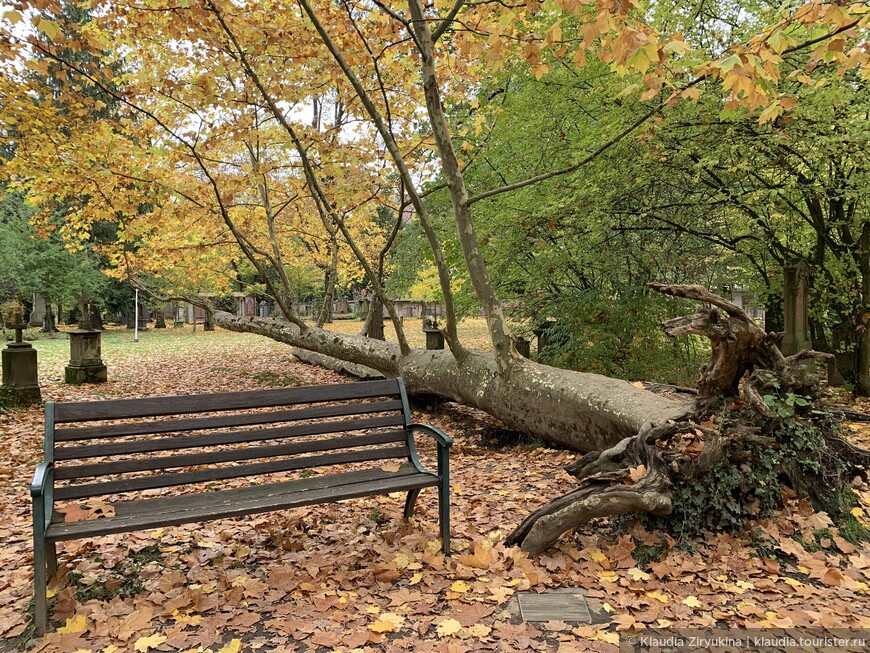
355, 576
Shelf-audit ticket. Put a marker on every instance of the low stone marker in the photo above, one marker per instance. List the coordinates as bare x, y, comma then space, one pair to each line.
524, 347
434, 337
85, 360
20, 373
795, 291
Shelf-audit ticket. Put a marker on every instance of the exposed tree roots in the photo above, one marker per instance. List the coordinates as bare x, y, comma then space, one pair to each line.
648, 472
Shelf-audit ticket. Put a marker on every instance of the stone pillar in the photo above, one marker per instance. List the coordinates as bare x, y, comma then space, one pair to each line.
376, 324
207, 323
796, 291
37, 316
434, 337
85, 360
20, 373
48, 324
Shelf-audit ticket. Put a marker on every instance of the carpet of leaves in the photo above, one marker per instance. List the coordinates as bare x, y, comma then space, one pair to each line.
355, 577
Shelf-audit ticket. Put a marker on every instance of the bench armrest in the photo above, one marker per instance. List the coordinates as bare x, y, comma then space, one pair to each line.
440, 436
42, 493
41, 479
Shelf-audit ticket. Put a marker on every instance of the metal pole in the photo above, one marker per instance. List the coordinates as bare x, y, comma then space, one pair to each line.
136, 318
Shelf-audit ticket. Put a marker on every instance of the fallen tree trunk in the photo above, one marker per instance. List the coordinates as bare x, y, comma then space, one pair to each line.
775, 435
579, 411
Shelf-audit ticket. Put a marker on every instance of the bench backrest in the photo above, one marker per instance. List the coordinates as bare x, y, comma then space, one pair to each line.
129, 445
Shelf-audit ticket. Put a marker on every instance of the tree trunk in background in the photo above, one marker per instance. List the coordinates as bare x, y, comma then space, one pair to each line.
576, 410
862, 387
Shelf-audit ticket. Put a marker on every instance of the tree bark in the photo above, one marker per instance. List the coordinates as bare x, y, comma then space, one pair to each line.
579, 411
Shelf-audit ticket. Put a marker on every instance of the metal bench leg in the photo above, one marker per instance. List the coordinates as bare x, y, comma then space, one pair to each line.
410, 502
444, 516
40, 586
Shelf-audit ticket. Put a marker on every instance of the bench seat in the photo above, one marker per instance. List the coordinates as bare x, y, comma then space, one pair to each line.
219, 504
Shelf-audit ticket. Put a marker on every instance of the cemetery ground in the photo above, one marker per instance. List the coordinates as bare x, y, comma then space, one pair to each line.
355, 577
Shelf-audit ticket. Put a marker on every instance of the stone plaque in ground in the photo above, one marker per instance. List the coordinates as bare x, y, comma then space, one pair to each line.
564, 604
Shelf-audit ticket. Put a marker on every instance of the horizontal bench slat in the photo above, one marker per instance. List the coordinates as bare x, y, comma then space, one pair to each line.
223, 421
225, 456
215, 439
200, 476
89, 411
233, 503
173, 502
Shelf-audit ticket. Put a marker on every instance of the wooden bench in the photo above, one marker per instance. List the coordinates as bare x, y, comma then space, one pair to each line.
129, 451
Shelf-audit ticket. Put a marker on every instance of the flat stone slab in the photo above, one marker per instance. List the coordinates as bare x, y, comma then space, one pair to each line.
562, 604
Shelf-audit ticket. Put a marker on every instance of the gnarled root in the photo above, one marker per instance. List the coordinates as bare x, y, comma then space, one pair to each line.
635, 475
639, 473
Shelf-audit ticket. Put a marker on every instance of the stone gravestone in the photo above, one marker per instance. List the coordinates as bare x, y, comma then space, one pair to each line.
48, 323
85, 360
37, 315
20, 373
524, 347
795, 293
434, 337
376, 324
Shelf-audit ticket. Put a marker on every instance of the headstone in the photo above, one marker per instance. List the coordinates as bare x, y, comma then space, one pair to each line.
159, 319
180, 314
85, 360
376, 323
524, 347
48, 325
795, 291
20, 373
434, 336
207, 324
37, 316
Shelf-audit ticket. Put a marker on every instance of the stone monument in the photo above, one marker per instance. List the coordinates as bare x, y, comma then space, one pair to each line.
20, 374
37, 315
85, 359
795, 294
434, 337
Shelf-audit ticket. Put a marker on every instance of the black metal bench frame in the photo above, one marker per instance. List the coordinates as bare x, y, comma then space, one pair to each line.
205, 504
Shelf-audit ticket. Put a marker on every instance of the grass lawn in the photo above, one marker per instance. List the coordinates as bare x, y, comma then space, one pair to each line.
472, 331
